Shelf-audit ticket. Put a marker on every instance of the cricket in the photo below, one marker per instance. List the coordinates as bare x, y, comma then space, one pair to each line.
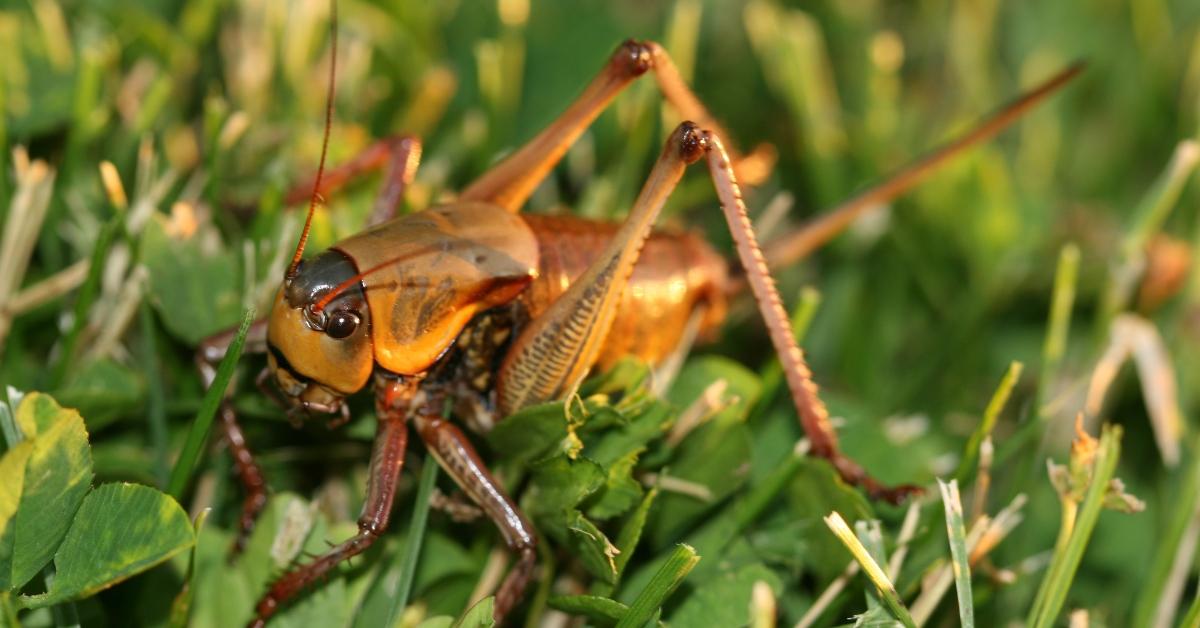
473, 300
360, 313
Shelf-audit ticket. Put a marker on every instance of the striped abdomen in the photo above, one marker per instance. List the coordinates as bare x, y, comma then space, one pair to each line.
675, 274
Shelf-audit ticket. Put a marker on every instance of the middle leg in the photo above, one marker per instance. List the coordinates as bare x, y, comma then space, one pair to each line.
457, 456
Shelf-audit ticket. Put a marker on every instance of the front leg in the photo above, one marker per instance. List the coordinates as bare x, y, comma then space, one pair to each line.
387, 459
457, 456
400, 154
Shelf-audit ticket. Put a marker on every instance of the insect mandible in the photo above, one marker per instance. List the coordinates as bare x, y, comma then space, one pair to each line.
422, 307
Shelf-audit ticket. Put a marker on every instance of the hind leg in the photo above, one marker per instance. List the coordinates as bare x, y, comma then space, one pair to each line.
510, 182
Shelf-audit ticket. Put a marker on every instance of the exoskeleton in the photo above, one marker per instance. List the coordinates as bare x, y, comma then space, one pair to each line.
475, 303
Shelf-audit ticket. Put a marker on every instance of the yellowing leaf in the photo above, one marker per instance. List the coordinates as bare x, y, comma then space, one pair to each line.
56, 475
120, 530
12, 476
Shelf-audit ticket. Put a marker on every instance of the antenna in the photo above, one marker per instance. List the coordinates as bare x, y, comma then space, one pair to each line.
342, 287
808, 238
316, 194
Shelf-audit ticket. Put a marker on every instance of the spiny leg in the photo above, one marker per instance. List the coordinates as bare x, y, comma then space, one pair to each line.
457, 456
510, 182
814, 416
400, 153
210, 352
555, 350
387, 460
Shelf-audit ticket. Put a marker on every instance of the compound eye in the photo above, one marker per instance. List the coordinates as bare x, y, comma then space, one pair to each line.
341, 324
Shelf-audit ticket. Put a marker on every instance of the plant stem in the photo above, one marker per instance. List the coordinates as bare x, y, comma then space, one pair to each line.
1068, 554
202, 424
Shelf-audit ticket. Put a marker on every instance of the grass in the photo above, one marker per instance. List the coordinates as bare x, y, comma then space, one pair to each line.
148, 146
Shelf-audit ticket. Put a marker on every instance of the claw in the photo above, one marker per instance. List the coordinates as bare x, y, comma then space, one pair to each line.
341, 420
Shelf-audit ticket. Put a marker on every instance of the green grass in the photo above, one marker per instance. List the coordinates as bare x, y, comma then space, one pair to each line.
1022, 252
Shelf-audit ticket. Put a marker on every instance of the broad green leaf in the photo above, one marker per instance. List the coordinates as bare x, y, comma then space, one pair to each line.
717, 457
628, 378
324, 605
620, 491
592, 547
650, 422
816, 491
443, 556
37, 413
222, 595
529, 433
57, 475
12, 473
103, 390
478, 616
782, 541
440, 621
561, 484
193, 282
724, 600
742, 386
120, 530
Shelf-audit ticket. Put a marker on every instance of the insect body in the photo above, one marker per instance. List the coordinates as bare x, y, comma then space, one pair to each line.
443, 266
473, 301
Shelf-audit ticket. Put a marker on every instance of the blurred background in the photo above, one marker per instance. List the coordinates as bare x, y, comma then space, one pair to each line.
208, 110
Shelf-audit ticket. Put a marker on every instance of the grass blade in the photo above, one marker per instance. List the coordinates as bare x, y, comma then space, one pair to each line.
1060, 574
883, 584
990, 414
1192, 619
156, 404
198, 432
1159, 599
599, 609
664, 582
1062, 302
412, 545
958, 551
1148, 220
87, 296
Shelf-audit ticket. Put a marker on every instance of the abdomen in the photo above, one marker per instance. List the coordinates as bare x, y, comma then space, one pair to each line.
675, 274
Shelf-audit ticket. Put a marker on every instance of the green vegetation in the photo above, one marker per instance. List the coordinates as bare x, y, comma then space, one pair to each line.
147, 148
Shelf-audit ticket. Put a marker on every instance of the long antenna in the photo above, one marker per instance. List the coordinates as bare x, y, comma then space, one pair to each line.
316, 194
345, 285
811, 236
